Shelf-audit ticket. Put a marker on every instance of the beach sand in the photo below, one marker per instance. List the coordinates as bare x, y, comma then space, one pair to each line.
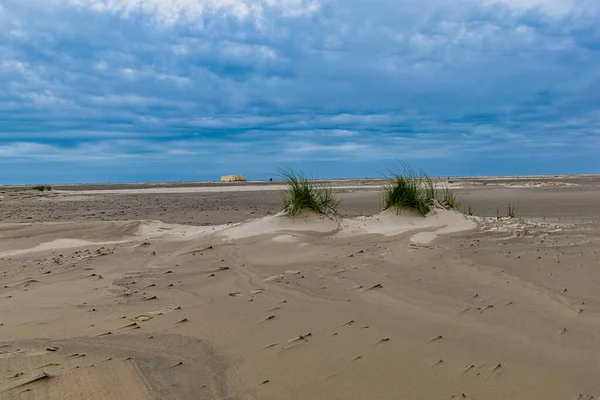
205, 291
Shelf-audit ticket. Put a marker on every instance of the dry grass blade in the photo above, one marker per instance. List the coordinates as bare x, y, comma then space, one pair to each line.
448, 199
511, 210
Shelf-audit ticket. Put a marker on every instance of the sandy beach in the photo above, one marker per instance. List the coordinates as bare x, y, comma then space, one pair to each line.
207, 291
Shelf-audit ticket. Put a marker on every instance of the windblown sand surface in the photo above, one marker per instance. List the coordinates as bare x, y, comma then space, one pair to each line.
214, 295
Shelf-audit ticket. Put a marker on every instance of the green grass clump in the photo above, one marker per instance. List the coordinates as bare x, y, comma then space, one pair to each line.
41, 188
303, 194
408, 189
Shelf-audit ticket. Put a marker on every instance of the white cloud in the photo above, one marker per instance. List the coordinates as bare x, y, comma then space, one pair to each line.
45, 99
100, 65
170, 12
309, 147
129, 73
18, 149
552, 7
324, 133
233, 50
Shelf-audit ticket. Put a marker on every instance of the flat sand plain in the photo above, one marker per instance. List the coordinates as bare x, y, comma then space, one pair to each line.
204, 291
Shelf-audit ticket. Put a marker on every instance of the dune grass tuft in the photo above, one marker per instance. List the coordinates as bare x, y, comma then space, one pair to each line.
41, 188
304, 194
408, 189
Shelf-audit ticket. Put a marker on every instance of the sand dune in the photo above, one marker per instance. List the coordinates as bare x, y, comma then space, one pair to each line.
379, 307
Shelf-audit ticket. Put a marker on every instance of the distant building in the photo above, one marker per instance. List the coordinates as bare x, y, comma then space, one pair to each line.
233, 178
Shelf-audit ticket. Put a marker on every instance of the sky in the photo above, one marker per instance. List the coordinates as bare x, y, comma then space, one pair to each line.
187, 90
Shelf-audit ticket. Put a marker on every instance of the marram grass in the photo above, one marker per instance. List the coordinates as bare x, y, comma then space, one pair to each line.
410, 189
304, 194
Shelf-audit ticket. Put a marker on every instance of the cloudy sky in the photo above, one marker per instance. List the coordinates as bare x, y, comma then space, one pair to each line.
140, 90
